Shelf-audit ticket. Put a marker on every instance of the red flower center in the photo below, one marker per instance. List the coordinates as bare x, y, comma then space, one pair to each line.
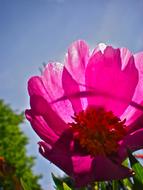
98, 131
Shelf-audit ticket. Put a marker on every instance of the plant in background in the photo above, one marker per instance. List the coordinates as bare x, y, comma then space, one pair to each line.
15, 165
88, 112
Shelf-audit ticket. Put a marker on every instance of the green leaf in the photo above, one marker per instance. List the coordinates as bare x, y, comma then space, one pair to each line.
103, 185
126, 162
115, 184
138, 169
66, 187
127, 183
24, 185
58, 182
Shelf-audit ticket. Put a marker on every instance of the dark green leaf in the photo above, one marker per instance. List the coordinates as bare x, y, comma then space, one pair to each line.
115, 184
58, 182
103, 185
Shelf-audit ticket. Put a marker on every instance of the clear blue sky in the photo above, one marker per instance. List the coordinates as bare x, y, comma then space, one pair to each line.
37, 31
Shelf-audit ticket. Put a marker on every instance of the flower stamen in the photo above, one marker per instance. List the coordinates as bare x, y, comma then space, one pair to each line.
98, 131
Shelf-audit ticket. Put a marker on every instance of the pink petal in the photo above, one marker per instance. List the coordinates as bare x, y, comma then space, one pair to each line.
70, 86
83, 169
136, 121
63, 161
48, 88
133, 141
41, 107
75, 63
105, 74
76, 60
100, 47
52, 80
125, 55
60, 153
88, 169
36, 87
41, 128
132, 114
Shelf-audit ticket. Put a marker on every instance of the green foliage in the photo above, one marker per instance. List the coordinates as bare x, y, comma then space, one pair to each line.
61, 183
58, 182
66, 187
138, 169
13, 148
24, 185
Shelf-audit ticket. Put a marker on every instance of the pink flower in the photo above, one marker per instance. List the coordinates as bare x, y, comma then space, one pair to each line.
89, 111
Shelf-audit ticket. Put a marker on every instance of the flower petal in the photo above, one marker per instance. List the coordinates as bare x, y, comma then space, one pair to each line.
52, 80
60, 153
36, 87
136, 121
133, 141
104, 74
100, 47
125, 55
41, 128
132, 114
75, 63
76, 60
48, 88
41, 107
88, 169
63, 161
70, 86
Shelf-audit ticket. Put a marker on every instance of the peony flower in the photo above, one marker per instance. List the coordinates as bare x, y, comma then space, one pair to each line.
88, 112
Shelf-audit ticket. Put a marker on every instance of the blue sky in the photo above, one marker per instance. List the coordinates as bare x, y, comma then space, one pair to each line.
37, 31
